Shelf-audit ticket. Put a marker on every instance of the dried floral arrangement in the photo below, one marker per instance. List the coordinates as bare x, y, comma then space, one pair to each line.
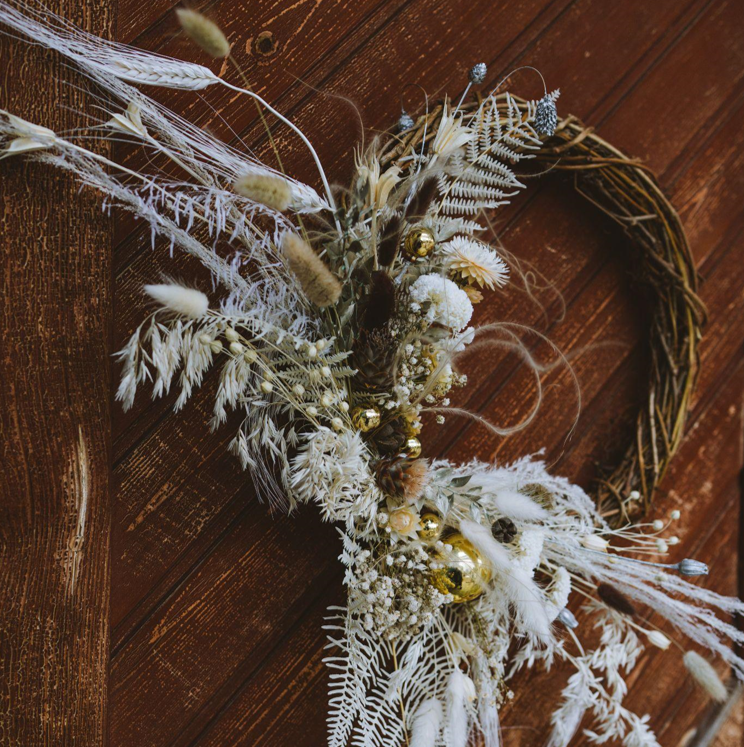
338, 322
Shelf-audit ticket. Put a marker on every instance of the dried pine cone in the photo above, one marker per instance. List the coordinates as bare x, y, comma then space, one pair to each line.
374, 359
390, 474
391, 437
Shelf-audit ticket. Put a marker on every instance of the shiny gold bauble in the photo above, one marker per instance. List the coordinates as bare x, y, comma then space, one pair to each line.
419, 243
412, 447
431, 526
464, 572
365, 418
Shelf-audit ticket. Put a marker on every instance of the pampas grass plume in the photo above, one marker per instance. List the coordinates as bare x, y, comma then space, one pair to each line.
704, 674
518, 506
320, 285
203, 32
185, 301
266, 189
425, 724
460, 691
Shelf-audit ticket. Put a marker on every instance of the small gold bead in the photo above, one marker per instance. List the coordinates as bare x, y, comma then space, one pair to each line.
419, 243
431, 526
365, 418
413, 447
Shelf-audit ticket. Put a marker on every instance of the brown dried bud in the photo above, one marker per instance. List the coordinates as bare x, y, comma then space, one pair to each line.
615, 599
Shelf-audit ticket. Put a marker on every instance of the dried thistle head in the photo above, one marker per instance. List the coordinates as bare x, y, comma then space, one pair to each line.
203, 32
417, 478
319, 284
267, 189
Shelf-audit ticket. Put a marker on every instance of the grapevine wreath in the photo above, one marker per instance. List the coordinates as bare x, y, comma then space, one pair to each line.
336, 322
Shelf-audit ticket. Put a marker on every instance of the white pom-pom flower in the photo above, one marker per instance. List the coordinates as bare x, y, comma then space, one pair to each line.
474, 260
440, 300
184, 301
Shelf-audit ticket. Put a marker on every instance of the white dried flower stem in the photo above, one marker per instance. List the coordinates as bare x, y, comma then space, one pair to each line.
303, 137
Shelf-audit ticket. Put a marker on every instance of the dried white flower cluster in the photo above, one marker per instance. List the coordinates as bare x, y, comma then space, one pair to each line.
392, 595
440, 300
333, 330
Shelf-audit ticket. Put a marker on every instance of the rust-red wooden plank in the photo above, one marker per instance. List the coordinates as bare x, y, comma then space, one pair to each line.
55, 315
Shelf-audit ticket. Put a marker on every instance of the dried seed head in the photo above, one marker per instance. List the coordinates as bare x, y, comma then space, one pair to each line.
705, 676
658, 639
477, 73
319, 284
567, 618
615, 599
185, 301
690, 567
203, 32
266, 189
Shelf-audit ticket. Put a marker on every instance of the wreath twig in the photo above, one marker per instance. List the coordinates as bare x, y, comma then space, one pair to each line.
627, 191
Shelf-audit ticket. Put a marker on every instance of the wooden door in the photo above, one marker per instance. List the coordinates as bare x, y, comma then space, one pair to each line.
212, 636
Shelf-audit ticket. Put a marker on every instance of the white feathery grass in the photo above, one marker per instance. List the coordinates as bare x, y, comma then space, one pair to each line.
705, 676
514, 581
518, 506
203, 32
425, 724
187, 302
460, 692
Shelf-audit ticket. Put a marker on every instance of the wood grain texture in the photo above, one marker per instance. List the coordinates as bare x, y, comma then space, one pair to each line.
216, 606
213, 642
55, 424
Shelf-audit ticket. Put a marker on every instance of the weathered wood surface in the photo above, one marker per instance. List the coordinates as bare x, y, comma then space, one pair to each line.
55, 316
217, 606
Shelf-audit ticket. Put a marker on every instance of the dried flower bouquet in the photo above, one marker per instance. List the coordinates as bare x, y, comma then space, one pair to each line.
337, 323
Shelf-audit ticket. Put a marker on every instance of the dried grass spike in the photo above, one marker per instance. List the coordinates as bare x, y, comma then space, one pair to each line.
203, 32
390, 241
705, 676
319, 284
266, 189
185, 301
420, 202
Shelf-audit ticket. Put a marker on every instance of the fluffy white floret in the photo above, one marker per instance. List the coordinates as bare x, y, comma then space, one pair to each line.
425, 723
440, 300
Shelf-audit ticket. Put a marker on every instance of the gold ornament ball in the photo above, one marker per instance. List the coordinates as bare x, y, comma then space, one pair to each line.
431, 526
365, 418
419, 243
464, 573
413, 447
